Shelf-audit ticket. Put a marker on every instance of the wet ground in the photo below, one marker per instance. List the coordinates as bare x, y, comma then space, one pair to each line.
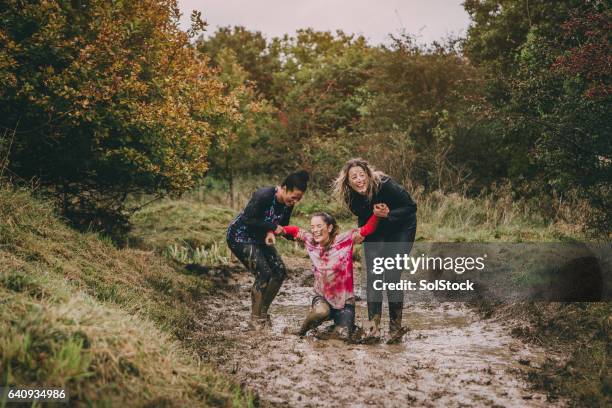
450, 358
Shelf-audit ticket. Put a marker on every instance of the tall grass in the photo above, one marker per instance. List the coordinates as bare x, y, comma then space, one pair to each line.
199, 219
112, 326
495, 216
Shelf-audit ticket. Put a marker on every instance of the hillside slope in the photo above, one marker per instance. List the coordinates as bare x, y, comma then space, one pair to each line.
111, 326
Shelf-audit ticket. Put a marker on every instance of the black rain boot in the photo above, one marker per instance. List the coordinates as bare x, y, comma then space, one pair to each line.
269, 295
257, 321
396, 331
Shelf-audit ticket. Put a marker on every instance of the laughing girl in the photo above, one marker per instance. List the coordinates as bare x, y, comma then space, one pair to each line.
331, 254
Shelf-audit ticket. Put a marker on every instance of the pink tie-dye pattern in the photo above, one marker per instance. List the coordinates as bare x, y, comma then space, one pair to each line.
332, 267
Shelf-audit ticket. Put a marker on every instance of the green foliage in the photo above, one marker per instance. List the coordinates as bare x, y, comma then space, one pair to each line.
112, 100
321, 87
259, 59
549, 93
238, 145
106, 99
419, 113
500, 28
523, 99
314, 80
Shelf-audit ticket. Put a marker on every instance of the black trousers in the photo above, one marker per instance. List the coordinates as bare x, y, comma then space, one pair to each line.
389, 245
262, 260
344, 317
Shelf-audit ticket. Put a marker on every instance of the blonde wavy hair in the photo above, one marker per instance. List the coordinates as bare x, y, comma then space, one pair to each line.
341, 187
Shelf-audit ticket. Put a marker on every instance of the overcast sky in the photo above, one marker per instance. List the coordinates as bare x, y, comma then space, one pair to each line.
428, 19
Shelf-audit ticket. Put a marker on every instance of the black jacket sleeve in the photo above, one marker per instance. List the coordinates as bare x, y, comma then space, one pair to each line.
401, 206
286, 217
253, 213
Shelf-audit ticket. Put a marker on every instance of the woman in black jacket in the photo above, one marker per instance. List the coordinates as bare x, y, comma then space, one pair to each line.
250, 236
367, 191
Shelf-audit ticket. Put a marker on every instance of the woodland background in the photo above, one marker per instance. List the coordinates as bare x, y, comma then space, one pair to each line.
101, 101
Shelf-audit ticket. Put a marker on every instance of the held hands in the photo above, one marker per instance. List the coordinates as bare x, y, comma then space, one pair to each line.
381, 210
357, 237
270, 238
270, 235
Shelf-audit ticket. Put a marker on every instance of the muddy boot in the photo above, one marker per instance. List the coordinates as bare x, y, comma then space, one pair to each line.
356, 335
372, 330
344, 322
257, 321
397, 335
313, 320
396, 331
317, 315
341, 333
269, 294
267, 320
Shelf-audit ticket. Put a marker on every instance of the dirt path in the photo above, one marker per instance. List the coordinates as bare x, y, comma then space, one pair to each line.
450, 358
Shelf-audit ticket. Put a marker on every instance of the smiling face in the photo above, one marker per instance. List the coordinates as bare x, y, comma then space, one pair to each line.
358, 179
320, 230
291, 197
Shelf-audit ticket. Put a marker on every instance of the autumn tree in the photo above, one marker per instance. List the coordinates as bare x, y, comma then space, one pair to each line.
106, 99
258, 57
240, 143
418, 111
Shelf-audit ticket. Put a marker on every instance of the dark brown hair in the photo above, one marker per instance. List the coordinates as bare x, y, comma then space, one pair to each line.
297, 180
328, 219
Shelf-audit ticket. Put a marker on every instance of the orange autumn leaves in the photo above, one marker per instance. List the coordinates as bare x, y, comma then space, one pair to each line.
108, 96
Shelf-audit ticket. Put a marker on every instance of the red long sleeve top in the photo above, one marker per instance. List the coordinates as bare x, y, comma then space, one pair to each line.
332, 265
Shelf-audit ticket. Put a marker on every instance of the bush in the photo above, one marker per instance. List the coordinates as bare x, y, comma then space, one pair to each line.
106, 99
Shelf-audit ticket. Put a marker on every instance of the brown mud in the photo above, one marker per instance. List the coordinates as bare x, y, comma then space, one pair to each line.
450, 357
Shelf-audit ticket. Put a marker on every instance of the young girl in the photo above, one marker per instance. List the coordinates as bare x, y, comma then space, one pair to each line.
331, 255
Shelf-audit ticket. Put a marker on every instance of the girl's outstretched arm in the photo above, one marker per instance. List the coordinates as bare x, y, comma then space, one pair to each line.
296, 232
292, 230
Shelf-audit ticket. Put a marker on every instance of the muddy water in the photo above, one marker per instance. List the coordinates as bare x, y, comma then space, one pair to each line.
450, 358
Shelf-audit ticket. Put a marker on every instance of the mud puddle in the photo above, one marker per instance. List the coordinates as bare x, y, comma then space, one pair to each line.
450, 358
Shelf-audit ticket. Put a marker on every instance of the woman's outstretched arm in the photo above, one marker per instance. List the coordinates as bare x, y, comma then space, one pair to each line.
370, 226
368, 229
296, 232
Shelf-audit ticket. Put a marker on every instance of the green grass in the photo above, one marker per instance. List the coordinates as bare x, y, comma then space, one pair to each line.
580, 331
104, 323
489, 218
185, 222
